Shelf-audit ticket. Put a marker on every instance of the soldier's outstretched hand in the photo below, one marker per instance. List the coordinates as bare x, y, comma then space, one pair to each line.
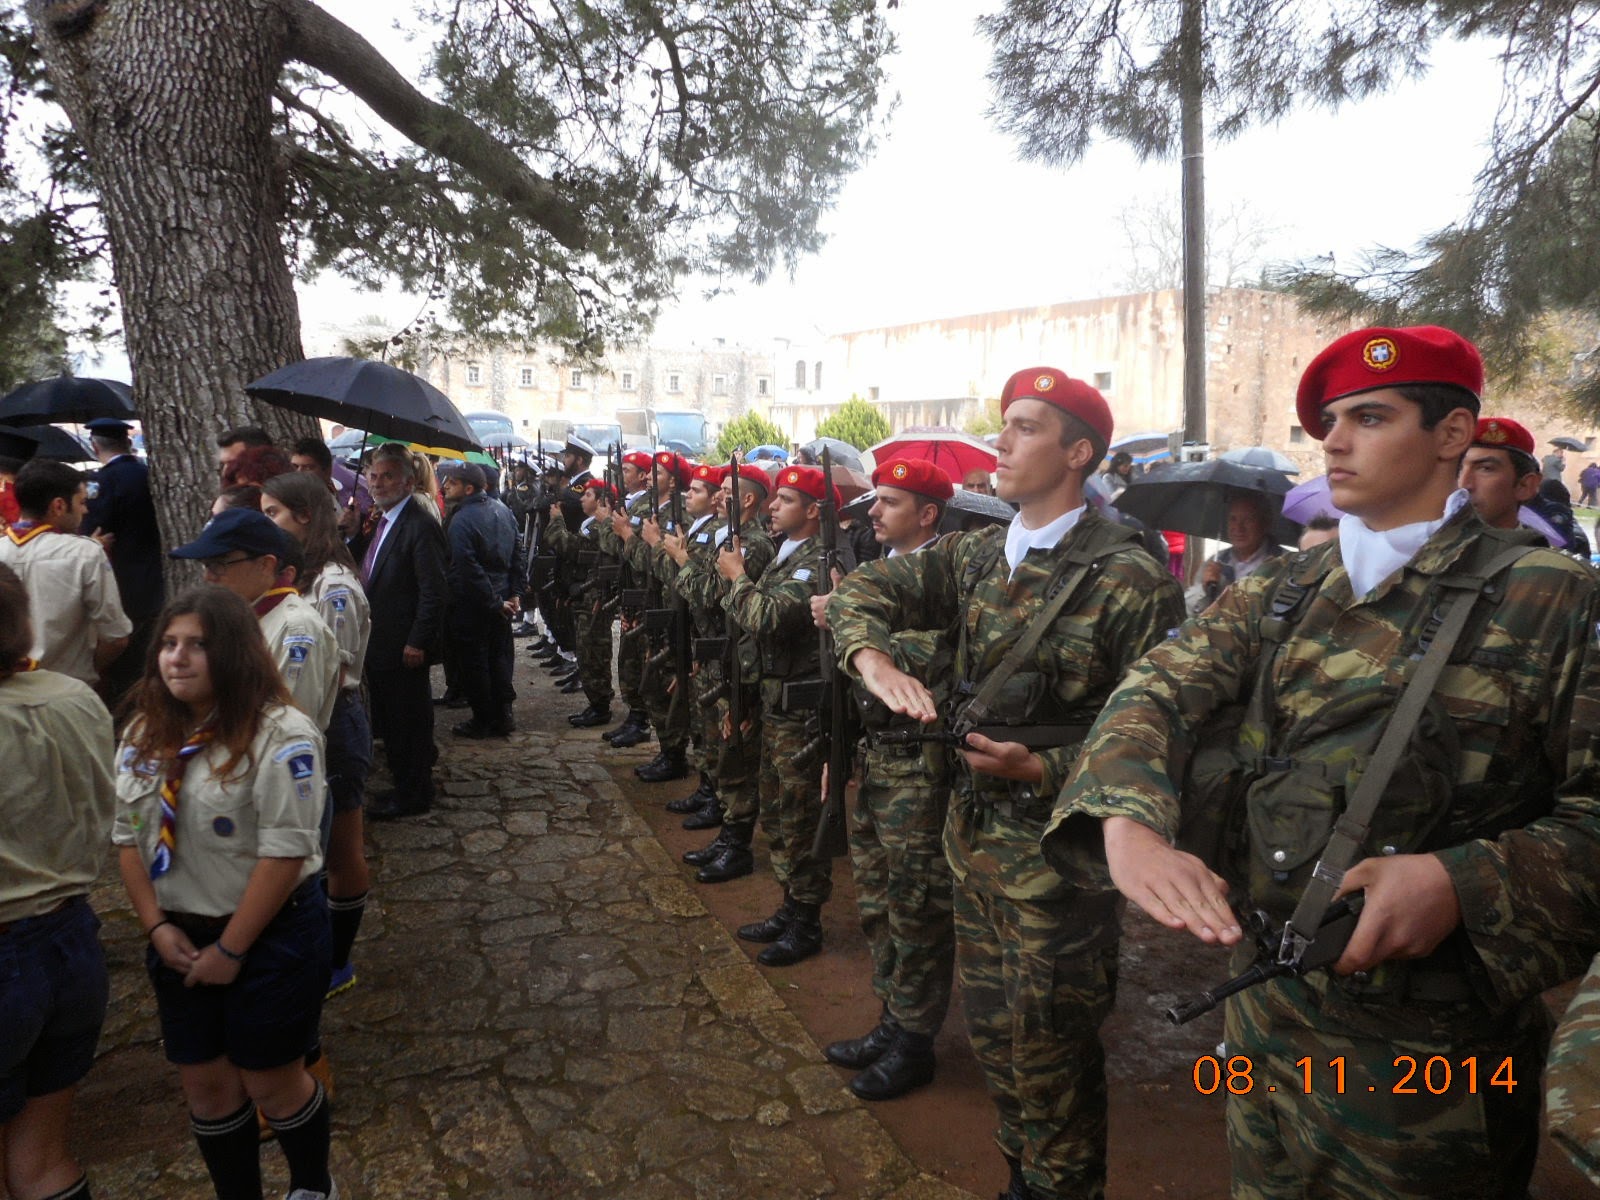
1409, 908
901, 692
1174, 887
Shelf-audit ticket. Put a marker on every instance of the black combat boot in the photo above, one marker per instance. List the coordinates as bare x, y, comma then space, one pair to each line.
666, 766
861, 1052
733, 861
708, 817
695, 800
905, 1065
700, 856
634, 718
801, 939
772, 928
632, 735
589, 717
1018, 1188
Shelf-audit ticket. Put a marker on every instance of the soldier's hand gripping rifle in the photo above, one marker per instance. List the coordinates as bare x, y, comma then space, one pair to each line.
1321, 951
1033, 737
832, 840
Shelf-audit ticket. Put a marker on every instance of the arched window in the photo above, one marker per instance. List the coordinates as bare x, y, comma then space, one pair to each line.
817, 375
800, 373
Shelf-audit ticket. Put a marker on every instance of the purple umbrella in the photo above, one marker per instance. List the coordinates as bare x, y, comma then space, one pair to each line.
1312, 499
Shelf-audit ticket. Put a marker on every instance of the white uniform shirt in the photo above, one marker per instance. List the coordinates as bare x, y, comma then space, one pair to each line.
272, 809
303, 647
341, 602
73, 599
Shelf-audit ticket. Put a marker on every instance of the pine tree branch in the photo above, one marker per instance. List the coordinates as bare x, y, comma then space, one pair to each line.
326, 44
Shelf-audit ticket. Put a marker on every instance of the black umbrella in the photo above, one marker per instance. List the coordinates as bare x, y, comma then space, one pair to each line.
1193, 497
843, 454
67, 399
42, 441
992, 509
369, 395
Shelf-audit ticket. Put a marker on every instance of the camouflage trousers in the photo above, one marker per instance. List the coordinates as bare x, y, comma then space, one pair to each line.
902, 879
706, 720
739, 764
670, 721
630, 668
593, 632
1038, 977
1445, 1135
791, 809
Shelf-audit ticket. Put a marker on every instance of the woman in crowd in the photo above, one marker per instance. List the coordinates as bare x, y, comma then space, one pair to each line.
219, 784
299, 503
55, 742
425, 485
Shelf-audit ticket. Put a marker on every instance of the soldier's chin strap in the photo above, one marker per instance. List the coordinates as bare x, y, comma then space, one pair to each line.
1350, 831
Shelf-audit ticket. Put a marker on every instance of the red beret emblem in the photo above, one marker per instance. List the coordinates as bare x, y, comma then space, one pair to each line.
1494, 434
1044, 383
899, 471
1380, 354
792, 477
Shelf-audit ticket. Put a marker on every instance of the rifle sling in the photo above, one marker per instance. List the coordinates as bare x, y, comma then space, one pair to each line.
1351, 829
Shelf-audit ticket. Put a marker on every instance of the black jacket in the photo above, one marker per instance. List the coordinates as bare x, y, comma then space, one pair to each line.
482, 537
123, 508
406, 589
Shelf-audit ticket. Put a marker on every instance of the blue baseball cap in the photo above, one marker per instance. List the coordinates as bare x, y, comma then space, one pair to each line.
236, 529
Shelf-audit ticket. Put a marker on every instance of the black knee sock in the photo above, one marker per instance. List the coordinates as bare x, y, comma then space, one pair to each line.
304, 1138
78, 1191
344, 912
231, 1146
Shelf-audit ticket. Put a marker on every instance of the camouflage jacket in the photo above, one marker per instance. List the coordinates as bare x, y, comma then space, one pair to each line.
776, 614
1572, 1078
579, 553
963, 583
1518, 827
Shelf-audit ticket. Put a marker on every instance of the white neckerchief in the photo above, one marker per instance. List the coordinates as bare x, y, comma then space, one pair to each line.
699, 521
896, 553
1020, 539
1370, 556
788, 548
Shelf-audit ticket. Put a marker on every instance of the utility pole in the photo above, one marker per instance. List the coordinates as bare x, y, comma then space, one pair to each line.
1191, 85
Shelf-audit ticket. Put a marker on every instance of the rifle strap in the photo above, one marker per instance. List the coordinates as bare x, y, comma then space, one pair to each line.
1083, 560
1461, 593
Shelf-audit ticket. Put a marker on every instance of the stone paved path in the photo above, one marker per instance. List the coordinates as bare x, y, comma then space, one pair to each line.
545, 1008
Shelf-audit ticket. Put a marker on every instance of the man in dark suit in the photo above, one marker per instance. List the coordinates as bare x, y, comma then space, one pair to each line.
403, 568
122, 517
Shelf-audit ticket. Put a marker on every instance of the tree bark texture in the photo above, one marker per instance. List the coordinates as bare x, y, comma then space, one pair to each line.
173, 102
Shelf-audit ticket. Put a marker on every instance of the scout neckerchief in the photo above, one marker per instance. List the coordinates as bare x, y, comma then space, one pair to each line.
23, 532
167, 839
268, 601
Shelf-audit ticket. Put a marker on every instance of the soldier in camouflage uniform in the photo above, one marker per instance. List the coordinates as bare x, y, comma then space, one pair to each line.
694, 553
1572, 1080
1483, 855
1037, 956
591, 628
776, 612
738, 764
902, 879
635, 728
649, 561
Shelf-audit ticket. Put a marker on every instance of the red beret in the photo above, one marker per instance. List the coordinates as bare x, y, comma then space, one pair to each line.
751, 473
1502, 433
711, 474
600, 485
639, 458
914, 475
676, 463
1066, 393
807, 481
1369, 359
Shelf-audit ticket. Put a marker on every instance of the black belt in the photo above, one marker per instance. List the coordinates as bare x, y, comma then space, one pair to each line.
192, 923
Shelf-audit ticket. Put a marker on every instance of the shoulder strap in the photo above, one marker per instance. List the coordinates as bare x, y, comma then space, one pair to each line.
1083, 559
1462, 592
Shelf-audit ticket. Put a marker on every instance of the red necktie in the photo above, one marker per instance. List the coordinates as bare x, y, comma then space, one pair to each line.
372, 548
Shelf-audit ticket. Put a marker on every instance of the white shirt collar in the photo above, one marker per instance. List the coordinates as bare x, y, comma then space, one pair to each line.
1020, 539
587, 522
896, 554
698, 522
1370, 556
632, 496
789, 547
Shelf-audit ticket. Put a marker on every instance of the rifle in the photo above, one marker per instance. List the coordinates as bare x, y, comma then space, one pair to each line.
1338, 923
831, 839
730, 669
679, 634
1034, 737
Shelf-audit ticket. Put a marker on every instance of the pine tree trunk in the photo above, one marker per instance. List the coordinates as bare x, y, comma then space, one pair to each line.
173, 102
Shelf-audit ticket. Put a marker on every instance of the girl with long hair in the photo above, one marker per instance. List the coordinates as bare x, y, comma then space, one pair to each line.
300, 503
219, 782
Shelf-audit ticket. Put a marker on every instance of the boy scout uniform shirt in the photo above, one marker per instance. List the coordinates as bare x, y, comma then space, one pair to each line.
73, 597
1130, 605
1520, 830
56, 746
306, 654
272, 809
341, 602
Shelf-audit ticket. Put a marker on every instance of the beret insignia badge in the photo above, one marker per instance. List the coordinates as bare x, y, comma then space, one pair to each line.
899, 471
1494, 434
1380, 354
1044, 383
